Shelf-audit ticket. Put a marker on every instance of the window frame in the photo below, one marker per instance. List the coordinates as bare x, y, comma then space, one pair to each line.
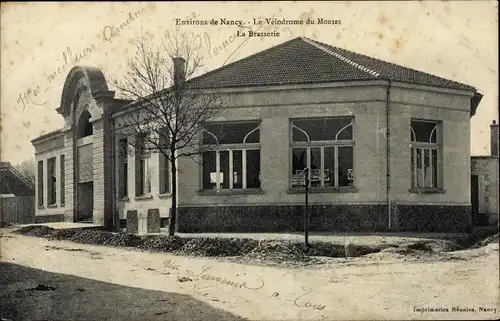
164, 157
62, 177
231, 148
142, 159
322, 144
52, 181
40, 184
423, 146
123, 167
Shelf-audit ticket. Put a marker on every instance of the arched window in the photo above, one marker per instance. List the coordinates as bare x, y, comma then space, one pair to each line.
425, 154
326, 147
232, 159
85, 127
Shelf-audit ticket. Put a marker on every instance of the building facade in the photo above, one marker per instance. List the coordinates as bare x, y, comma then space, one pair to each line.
388, 149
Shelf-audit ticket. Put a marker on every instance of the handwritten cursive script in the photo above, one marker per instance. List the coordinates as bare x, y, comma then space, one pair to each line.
300, 302
31, 96
169, 264
225, 281
110, 32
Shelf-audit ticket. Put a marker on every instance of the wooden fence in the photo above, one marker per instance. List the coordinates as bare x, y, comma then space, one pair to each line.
19, 209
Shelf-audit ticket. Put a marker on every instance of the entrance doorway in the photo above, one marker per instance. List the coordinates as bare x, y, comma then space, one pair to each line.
85, 186
474, 197
85, 201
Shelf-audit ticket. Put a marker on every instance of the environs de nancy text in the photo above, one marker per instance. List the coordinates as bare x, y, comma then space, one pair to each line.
256, 21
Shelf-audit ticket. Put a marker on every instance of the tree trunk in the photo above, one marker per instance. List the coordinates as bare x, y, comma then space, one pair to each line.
173, 212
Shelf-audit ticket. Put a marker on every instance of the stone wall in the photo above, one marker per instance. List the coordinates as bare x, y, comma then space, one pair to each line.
486, 168
331, 218
49, 218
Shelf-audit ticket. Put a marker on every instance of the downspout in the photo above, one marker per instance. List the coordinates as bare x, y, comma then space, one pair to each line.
388, 152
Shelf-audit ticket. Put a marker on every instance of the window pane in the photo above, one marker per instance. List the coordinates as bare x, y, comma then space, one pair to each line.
163, 139
62, 180
140, 144
237, 169
230, 133
412, 164
435, 168
253, 168
420, 170
51, 181
324, 129
315, 176
148, 176
40, 183
345, 133
209, 139
423, 131
329, 166
139, 177
164, 172
299, 135
345, 161
209, 168
299, 162
254, 137
123, 168
124, 180
433, 135
224, 169
427, 168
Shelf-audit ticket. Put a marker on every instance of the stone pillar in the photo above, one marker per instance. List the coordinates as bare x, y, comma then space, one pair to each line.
153, 221
103, 163
132, 222
69, 175
98, 164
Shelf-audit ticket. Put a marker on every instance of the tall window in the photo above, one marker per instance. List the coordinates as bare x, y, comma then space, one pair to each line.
142, 170
51, 181
326, 147
40, 183
425, 151
123, 167
163, 162
85, 127
233, 159
62, 180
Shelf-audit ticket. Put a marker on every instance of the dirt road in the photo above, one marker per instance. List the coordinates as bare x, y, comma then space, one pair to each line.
371, 288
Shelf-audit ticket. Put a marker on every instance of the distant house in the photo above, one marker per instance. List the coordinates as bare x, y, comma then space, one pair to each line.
12, 182
16, 196
299, 104
484, 183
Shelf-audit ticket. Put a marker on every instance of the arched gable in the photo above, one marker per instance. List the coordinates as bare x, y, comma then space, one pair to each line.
81, 79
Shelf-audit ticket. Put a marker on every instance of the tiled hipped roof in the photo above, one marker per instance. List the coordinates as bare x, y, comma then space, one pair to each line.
302, 61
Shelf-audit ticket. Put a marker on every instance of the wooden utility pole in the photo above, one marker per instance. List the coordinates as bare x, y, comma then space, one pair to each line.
306, 218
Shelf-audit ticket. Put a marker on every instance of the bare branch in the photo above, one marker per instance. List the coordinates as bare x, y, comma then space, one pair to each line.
167, 115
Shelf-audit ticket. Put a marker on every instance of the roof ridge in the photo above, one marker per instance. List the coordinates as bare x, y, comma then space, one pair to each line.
400, 66
341, 57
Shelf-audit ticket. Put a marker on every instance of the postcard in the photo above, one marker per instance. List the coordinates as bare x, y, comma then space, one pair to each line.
249, 160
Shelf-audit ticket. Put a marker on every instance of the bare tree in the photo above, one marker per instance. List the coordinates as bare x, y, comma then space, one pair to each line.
168, 110
27, 169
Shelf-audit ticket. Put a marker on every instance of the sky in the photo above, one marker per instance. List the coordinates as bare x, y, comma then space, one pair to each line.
41, 42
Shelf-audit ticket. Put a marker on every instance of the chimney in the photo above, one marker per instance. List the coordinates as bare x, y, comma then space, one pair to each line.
179, 70
494, 138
